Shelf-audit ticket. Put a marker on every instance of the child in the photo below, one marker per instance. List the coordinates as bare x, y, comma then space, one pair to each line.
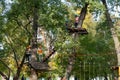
76, 21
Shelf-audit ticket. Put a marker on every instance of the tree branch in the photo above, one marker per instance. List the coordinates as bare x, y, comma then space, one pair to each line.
7, 78
15, 56
6, 65
49, 55
23, 26
20, 66
3, 75
51, 51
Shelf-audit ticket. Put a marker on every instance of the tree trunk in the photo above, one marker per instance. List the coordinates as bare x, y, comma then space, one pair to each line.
33, 43
49, 78
114, 34
82, 15
33, 75
69, 68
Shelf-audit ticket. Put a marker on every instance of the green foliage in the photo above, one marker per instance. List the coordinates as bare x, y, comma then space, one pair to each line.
96, 47
53, 15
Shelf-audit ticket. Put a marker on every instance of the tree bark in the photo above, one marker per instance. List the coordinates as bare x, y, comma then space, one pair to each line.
33, 75
69, 68
113, 32
82, 15
33, 43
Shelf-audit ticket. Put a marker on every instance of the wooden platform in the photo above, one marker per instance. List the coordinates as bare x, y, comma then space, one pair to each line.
77, 30
40, 66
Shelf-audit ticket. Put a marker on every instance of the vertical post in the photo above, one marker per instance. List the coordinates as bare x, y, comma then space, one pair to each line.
84, 69
93, 69
99, 73
80, 70
89, 70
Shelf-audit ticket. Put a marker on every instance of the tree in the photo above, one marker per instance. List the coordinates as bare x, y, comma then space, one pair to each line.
20, 29
25, 21
113, 32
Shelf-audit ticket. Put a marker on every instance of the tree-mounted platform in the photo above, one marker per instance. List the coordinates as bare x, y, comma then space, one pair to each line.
40, 66
77, 30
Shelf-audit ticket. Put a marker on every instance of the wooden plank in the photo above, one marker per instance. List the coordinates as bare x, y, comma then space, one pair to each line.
77, 30
40, 66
